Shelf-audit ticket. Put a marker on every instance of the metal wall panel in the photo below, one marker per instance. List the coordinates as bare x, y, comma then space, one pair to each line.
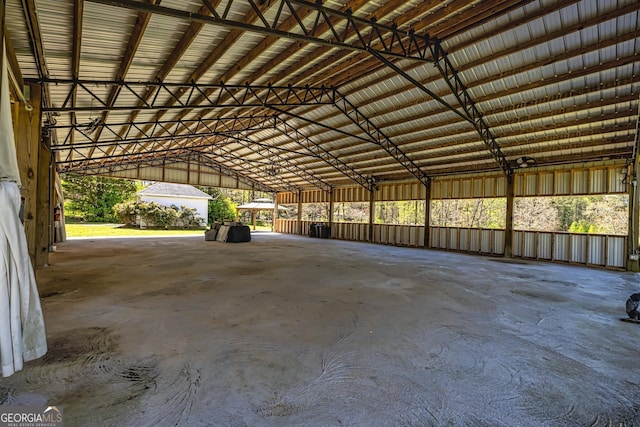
531, 185
464, 235
314, 196
455, 189
175, 175
529, 249
486, 241
350, 194
517, 243
578, 248
287, 198
616, 251
474, 240
563, 183
545, 183
561, 247
598, 181
478, 187
580, 182
498, 242
597, 253
617, 180
545, 244
489, 187
454, 239
465, 189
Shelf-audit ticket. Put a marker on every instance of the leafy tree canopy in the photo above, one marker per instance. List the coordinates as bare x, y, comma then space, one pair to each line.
92, 198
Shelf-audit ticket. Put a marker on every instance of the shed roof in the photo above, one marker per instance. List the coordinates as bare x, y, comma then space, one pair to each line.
177, 190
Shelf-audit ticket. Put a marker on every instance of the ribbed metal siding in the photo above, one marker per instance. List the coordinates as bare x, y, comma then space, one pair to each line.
597, 254
579, 244
561, 247
467, 188
580, 182
616, 251
545, 243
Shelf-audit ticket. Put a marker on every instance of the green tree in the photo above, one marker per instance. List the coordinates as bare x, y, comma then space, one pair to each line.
221, 207
92, 198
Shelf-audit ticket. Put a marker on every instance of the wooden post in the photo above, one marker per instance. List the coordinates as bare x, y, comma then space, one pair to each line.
44, 215
427, 214
632, 263
28, 133
372, 212
253, 218
508, 229
332, 197
275, 213
299, 212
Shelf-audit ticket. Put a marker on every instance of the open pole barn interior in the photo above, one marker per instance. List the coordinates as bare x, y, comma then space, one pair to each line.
321, 104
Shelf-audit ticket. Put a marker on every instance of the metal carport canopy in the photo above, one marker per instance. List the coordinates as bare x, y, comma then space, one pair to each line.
332, 94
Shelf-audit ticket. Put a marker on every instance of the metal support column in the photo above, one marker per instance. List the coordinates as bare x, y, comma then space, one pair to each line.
299, 212
275, 212
372, 212
427, 214
331, 207
508, 228
633, 253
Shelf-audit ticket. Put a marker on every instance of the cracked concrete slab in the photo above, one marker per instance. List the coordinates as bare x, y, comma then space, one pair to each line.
288, 330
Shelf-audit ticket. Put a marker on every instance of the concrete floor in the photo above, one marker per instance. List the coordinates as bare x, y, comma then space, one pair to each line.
289, 330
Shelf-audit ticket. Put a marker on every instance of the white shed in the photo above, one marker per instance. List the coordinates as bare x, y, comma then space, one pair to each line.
168, 194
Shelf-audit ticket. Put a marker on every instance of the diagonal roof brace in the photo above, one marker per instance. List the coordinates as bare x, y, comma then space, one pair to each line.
379, 138
474, 116
469, 112
317, 150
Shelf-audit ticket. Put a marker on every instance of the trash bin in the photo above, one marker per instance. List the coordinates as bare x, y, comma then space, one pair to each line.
313, 230
324, 231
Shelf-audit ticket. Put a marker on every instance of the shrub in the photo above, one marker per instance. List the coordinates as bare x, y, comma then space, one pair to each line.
157, 215
126, 212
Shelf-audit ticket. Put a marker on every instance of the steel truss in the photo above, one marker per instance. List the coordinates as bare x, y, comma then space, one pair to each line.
379, 138
194, 95
470, 112
322, 153
330, 27
135, 163
168, 135
160, 135
158, 129
277, 160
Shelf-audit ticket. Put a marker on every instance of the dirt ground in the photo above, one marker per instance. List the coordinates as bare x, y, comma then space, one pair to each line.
293, 331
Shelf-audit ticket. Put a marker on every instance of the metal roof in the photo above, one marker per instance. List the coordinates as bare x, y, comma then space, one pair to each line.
287, 93
177, 190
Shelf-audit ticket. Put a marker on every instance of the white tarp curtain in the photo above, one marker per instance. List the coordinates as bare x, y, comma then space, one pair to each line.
22, 334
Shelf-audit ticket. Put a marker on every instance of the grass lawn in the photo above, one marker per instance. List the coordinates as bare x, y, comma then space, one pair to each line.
108, 230
119, 230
